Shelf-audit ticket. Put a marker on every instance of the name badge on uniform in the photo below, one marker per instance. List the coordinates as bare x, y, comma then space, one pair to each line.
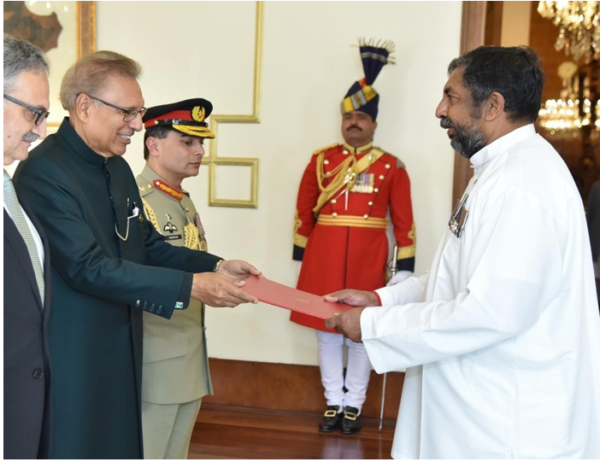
364, 183
458, 219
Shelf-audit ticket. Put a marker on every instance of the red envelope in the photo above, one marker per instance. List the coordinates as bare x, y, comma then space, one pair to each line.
286, 297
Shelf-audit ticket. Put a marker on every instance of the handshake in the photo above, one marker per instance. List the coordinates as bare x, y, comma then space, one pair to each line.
223, 287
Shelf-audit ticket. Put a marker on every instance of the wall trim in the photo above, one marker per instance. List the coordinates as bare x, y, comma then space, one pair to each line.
289, 388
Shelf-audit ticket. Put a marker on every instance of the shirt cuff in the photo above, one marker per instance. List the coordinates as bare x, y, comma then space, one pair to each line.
385, 296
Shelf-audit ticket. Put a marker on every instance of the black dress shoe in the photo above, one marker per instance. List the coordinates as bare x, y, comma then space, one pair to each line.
351, 423
332, 419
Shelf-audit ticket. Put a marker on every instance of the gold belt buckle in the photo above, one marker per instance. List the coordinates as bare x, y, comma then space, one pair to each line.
350, 415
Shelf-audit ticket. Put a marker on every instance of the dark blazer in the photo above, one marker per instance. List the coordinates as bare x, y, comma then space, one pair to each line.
27, 394
102, 287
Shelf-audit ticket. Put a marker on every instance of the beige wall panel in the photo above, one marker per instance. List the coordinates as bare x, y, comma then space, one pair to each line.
206, 49
516, 17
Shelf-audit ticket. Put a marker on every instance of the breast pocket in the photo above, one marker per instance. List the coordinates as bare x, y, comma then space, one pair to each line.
134, 244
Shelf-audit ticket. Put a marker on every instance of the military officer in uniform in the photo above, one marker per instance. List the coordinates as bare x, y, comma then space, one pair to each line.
345, 196
175, 368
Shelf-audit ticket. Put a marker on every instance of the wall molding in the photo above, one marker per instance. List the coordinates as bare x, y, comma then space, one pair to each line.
289, 388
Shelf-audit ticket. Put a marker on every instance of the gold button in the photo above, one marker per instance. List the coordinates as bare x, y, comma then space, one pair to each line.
326, 162
344, 151
370, 203
334, 214
149, 185
366, 216
376, 190
334, 201
381, 177
388, 166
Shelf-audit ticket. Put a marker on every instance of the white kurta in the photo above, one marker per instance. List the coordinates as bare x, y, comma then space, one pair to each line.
501, 339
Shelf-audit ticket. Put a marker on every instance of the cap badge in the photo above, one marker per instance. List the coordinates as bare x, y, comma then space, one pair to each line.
198, 113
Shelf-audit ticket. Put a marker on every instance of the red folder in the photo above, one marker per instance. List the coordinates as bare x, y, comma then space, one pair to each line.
286, 297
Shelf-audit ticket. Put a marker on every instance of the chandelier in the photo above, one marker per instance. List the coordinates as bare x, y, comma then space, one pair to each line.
579, 27
566, 115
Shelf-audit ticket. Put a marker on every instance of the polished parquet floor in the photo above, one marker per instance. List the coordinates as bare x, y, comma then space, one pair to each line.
250, 434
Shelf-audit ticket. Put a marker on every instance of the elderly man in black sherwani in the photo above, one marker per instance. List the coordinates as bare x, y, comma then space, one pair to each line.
109, 265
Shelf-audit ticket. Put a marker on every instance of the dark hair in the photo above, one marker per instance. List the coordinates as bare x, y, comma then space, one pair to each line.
160, 132
514, 72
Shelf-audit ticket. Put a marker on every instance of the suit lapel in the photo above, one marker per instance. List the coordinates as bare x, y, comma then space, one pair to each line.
13, 237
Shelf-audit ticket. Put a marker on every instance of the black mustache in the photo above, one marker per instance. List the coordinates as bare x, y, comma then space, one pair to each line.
445, 122
354, 126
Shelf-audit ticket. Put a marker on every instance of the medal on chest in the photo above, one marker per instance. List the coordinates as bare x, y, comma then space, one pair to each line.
365, 182
459, 216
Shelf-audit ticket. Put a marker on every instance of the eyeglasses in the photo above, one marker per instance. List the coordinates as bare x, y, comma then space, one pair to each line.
39, 114
128, 114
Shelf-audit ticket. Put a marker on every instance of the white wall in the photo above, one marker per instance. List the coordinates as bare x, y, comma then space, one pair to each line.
205, 49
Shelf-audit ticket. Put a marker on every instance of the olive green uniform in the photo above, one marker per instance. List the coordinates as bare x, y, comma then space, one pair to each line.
175, 374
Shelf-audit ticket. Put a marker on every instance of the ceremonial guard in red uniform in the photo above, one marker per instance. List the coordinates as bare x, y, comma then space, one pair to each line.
348, 195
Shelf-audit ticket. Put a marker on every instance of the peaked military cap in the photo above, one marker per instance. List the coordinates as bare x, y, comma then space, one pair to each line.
188, 117
362, 96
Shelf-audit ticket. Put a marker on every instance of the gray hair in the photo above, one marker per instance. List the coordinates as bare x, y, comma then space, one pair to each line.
89, 74
21, 56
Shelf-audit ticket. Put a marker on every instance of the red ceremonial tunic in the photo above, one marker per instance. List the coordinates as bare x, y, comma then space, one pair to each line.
344, 244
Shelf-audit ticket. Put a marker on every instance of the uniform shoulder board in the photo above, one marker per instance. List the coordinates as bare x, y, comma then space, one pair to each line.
399, 163
324, 148
144, 186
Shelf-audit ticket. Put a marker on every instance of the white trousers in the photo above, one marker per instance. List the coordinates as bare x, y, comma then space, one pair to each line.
167, 429
331, 363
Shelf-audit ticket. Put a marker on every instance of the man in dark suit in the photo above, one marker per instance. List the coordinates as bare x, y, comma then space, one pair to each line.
109, 265
593, 217
26, 263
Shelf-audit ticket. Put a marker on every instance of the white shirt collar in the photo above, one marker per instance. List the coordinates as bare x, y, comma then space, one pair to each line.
502, 144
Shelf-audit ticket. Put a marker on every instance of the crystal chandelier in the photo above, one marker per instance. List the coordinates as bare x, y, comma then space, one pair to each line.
565, 116
579, 27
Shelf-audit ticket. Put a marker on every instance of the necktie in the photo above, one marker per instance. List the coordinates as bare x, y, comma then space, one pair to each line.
17, 215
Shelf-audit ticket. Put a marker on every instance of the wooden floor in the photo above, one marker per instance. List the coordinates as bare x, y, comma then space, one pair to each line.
249, 434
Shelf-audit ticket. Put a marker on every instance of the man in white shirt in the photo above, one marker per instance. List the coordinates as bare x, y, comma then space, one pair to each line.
501, 338
26, 262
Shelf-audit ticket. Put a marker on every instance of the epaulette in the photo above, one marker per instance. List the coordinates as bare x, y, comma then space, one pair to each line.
144, 187
325, 148
399, 163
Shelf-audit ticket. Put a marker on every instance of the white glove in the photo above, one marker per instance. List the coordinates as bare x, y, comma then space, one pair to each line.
399, 277
298, 268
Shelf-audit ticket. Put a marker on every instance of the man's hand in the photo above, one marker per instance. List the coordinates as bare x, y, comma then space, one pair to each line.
237, 269
347, 323
353, 297
219, 290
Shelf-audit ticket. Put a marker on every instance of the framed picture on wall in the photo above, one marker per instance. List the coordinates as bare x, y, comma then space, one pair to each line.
65, 31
